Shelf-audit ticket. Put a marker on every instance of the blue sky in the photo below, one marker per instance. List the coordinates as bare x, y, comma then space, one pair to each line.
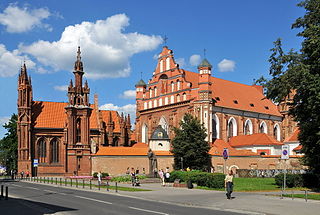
120, 40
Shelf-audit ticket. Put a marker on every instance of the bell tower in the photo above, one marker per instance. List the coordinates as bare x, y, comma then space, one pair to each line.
24, 121
78, 126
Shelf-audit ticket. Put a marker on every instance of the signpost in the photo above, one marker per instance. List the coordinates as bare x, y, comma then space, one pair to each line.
225, 155
284, 156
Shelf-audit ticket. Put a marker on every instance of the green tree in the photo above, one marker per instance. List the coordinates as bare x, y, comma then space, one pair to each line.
189, 143
9, 145
299, 72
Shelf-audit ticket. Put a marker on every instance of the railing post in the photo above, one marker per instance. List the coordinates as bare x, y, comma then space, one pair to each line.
56, 181
1, 191
6, 198
83, 183
65, 182
76, 182
107, 185
306, 195
116, 186
71, 182
51, 180
60, 180
99, 185
90, 185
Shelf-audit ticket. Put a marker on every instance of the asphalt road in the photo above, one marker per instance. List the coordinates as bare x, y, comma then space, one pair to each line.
42, 199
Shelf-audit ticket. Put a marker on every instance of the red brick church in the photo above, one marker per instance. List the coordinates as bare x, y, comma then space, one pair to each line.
61, 137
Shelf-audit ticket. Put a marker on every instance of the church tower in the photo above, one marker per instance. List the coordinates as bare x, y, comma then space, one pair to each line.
203, 106
24, 121
78, 130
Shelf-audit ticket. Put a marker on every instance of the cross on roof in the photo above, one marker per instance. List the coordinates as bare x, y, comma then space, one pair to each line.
165, 39
204, 53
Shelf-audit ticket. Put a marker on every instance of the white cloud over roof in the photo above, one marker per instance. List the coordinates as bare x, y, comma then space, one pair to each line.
226, 65
128, 94
106, 48
18, 20
194, 60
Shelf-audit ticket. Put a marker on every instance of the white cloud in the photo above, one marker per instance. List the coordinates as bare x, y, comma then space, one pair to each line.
106, 49
10, 62
226, 65
4, 120
126, 109
18, 20
128, 94
181, 62
195, 60
61, 88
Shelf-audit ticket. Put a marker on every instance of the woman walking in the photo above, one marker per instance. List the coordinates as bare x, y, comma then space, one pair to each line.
228, 184
161, 175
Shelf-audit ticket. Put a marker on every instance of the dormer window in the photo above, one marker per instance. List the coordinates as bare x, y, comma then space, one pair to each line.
235, 101
266, 107
252, 105
218, 98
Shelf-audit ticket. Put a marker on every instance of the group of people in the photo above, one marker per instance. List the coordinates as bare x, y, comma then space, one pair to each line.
164, 176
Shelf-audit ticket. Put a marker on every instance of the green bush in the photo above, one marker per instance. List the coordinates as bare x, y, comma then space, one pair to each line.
126, 178
103, 174
311, 180
292, 180
206, 179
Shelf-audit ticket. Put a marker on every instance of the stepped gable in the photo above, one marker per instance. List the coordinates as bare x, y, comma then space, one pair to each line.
258, 139
52, 115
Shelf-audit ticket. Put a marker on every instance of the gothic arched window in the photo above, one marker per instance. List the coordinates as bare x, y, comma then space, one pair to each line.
78, 127
215, 127
41, 150
263, 128
54, 151
276, 132
144, 133
248, 128
232, 128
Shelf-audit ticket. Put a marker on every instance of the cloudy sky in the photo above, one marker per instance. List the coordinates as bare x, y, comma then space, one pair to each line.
120, 39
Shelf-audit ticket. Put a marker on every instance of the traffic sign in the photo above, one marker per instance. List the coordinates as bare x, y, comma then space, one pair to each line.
35, 162
225, 153
285, 152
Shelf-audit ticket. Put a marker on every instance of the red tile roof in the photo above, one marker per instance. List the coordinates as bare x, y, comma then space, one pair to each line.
218, 146
298, 148
247, 97
253, 140
140, 145
293, 137
125, 151
52, 115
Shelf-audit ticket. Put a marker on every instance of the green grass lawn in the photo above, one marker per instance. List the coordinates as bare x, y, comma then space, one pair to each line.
253, 184
310, 196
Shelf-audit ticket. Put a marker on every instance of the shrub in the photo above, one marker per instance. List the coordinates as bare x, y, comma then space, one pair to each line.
126, 178
292, 180
206, 179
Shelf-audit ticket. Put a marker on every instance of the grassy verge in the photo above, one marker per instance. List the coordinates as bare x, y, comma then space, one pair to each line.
253, 184
310, 196
80, 185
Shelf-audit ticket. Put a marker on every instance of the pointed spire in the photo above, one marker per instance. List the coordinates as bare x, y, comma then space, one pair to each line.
128, 120
78, 66
23, 73
86, 84
71, 84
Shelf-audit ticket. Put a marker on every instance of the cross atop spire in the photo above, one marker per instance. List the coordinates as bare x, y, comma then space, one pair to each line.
78, 66
204, 53
165, 39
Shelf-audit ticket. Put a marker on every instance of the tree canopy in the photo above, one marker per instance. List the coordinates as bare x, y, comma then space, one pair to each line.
9, 145
190, 145
299, 72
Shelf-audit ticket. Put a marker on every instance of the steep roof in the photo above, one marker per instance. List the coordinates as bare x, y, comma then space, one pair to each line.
125, 151
218, 146
52, 115
235, 95
253, 140
204, 63
141, 83
293, 137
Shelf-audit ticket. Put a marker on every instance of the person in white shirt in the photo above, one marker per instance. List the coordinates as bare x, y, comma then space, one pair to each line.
228, 184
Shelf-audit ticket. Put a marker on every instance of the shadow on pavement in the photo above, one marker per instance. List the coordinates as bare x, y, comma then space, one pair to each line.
27, 207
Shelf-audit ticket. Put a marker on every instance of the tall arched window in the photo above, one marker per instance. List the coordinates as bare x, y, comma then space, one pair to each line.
160, 102
150, 90
41, 150
184, 96
166, 100
150, 104
54, 151
178, 98
232, 127
161, 65
178, 85
263, 127
248, 128
168, 63
155, 103
155, 91
276, 132
172, 86
145, 105
144, 134
215, 127
163, 123
78, 127
172, 99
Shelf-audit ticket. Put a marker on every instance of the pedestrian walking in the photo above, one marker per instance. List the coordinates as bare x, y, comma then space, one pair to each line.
161, 175
228, 184
133, 176
99, 175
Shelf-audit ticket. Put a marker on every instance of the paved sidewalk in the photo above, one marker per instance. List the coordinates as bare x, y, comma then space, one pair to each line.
244, 202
